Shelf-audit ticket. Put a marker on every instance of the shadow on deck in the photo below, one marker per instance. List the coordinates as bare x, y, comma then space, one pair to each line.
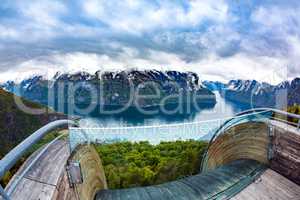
223, 182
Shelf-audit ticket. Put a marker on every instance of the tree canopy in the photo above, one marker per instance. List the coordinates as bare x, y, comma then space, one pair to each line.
141, 164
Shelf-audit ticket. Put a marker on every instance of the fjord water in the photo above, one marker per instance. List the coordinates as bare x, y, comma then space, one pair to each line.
210, 118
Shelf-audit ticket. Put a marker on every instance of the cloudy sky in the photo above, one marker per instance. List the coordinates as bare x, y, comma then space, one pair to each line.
219, 39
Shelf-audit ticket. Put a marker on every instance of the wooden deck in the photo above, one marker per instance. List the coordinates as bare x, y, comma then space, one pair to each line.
250, 140
237, 161
270, 186
92, 169
41, 181
286, 151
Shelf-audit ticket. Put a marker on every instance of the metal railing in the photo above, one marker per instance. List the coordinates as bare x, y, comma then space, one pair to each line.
13, 156
10, 159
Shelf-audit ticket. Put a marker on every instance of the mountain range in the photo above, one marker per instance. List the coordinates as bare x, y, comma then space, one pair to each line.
113, 88
259, 94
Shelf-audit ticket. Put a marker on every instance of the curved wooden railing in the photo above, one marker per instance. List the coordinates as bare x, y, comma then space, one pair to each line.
258, 116
92, 169
266, 112
247, 118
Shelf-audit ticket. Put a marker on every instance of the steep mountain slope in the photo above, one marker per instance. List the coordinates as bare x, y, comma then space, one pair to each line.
260, 94
114, 88
16, 125
214, 85
250, 92
294, 92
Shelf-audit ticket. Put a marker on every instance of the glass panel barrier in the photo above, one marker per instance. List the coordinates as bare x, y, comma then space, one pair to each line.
152, 134
201, 130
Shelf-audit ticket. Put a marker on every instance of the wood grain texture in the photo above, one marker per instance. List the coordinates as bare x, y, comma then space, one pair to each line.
270, 185
92, 171
64, 191
43, 178
232, 159
286, 151
249, 140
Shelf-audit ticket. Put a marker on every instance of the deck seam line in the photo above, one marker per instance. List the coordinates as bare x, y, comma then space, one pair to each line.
32, 179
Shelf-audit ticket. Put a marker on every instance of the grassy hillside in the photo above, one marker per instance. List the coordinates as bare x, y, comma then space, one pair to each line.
140, 164
294, 109
16, 125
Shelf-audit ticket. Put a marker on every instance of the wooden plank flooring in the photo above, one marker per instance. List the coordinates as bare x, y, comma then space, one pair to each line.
286, 151
40, 182
270, 186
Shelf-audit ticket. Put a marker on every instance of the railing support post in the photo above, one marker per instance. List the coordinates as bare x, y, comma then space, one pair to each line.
3, 194
271, 134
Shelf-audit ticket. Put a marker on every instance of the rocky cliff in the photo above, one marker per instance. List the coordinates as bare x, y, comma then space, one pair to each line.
260, 94
114, 88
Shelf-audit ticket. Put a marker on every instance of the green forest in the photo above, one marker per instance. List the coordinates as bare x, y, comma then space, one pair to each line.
16, 125
133, 164
294, 109
141, 164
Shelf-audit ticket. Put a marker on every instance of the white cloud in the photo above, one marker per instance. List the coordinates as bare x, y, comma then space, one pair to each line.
202, 36
7, 32
139, 16
239, 66
280, 24
36, 20
43, 12
275, 19
294, 55
242, 66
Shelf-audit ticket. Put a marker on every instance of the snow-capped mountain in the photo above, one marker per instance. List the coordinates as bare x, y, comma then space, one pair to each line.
261, 94
214, 85
114, 87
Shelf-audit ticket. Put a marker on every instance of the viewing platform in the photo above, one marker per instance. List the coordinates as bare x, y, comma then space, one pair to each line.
254, 155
